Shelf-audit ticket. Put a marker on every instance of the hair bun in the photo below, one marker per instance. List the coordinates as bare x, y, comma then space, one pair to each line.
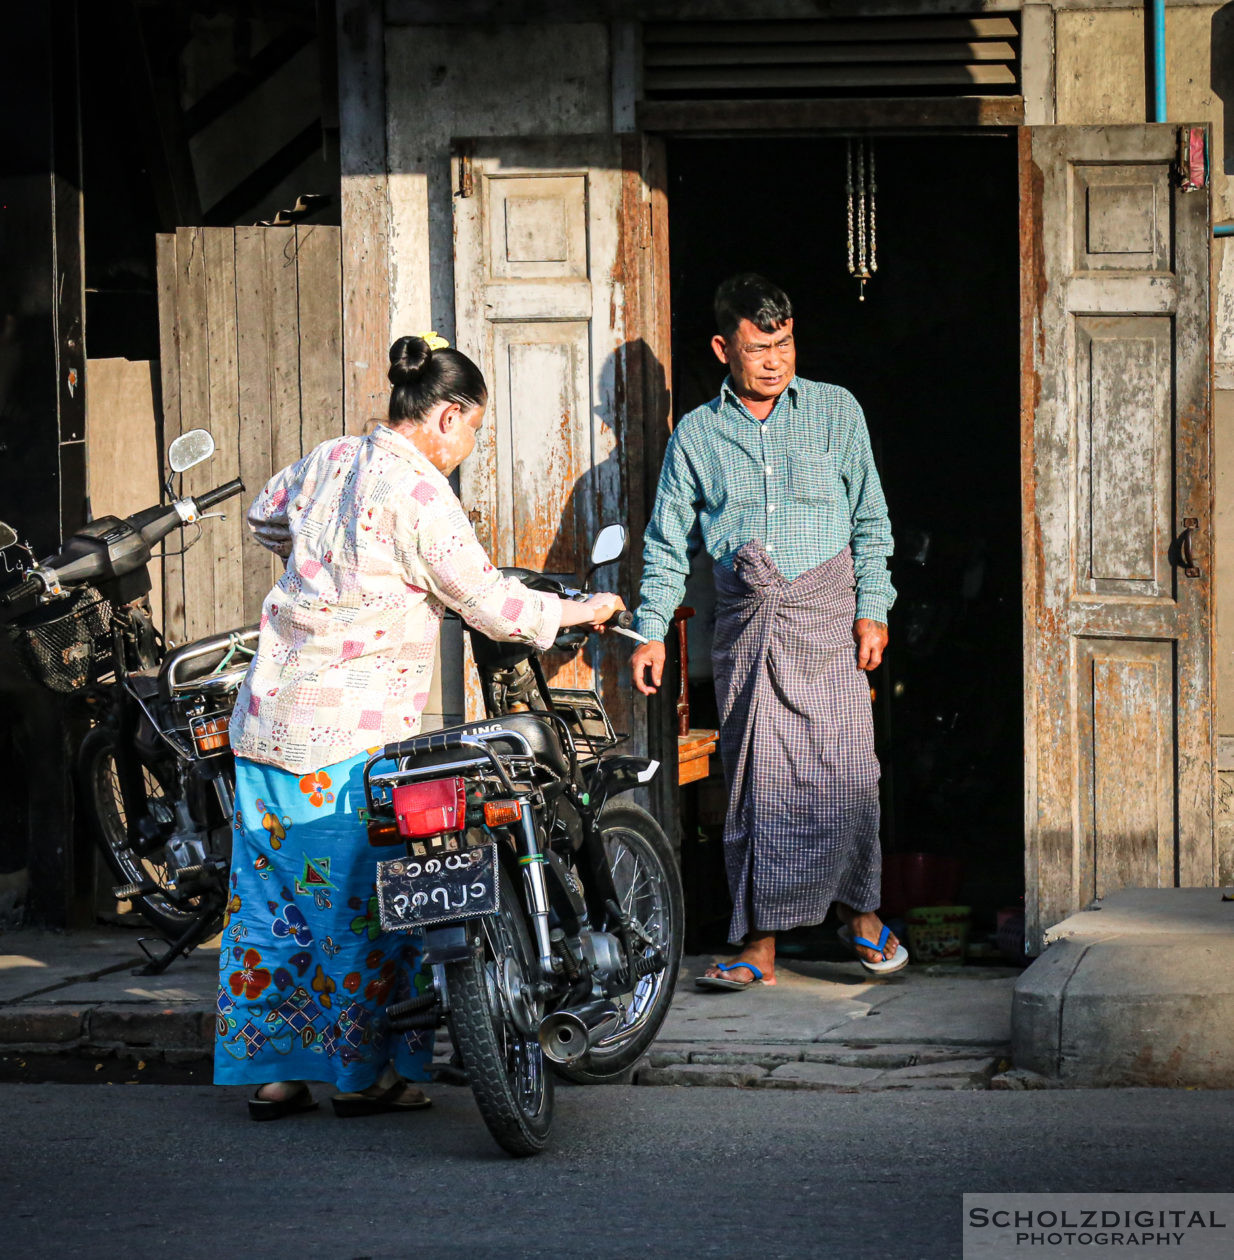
409, 356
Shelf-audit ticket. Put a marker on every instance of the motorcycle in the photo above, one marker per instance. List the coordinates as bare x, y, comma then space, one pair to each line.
551, 905
155, 772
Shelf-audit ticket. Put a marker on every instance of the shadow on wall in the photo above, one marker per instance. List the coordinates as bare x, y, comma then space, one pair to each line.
1222, 45
590, 504
602, 495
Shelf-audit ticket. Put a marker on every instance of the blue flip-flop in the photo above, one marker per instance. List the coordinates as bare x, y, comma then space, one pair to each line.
723, 982
896, 962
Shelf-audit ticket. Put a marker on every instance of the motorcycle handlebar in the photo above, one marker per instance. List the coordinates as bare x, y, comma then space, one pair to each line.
19, 593
218, 494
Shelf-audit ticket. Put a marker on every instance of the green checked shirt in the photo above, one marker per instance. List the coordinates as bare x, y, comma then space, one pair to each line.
802, 482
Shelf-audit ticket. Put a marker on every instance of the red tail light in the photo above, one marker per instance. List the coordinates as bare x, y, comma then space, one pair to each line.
428, 809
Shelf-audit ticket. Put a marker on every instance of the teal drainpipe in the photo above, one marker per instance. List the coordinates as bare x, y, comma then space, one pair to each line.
1159, 82
1159, 100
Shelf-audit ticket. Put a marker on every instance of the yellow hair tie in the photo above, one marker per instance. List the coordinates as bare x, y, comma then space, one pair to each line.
434, 341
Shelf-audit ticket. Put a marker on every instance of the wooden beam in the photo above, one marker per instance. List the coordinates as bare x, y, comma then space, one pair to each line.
837, 115
465, 12
321, 334
725, 78
748, 34
796, 54
253, 337
365, 211
171, 617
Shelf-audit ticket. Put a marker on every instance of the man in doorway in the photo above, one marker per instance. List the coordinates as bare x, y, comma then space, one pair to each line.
777, 475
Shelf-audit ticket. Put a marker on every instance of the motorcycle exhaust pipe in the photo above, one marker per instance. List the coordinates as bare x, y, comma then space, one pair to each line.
565, 1036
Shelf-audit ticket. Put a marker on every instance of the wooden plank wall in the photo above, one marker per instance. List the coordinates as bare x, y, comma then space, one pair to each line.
251, 342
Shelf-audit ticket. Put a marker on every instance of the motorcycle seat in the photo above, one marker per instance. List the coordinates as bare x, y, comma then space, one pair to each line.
545, 745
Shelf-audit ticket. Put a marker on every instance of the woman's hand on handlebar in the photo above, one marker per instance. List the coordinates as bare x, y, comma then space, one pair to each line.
593, 612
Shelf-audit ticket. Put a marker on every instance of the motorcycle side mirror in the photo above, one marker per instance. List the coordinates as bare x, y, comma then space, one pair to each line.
609, 546
189, 450
8, 536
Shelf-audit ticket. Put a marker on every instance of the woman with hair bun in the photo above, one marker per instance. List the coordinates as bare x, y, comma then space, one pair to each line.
377, 547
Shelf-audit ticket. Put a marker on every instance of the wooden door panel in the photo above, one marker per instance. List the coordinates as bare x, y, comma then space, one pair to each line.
538, 227
1123, 456
542, 384
1122, 219
1116, 435
1126, 713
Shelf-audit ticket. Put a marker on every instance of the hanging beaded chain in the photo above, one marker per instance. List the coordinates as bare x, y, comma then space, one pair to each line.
863, 250
873, 223
852, 270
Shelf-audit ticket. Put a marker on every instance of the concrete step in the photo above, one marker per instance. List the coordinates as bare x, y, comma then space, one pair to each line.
1137, 991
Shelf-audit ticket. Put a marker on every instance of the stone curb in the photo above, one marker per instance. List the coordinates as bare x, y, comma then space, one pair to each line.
184, 1034
770, 1056
945, 1073
177, 1034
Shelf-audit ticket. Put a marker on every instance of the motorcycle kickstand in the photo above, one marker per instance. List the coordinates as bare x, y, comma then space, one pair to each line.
184, 945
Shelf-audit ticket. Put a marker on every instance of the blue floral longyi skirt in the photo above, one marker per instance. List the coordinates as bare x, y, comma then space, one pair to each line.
305, 971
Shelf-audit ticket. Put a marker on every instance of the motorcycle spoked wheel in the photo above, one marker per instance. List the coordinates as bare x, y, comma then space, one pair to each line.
505, 1066
100, 786
648, 889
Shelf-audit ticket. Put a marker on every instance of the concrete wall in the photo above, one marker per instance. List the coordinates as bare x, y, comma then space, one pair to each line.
449, 82
1083, 62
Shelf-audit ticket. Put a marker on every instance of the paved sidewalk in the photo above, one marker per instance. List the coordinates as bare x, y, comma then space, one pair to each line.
827, 1025
822, 1026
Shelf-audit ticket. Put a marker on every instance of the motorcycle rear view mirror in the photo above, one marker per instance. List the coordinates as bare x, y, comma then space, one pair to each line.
609, 546
189, 450
8, 536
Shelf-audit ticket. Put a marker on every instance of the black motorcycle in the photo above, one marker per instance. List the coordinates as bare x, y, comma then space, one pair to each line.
550, 903
155, 772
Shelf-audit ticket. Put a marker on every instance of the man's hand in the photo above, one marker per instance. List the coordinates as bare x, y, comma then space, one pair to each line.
871, 639
648, 659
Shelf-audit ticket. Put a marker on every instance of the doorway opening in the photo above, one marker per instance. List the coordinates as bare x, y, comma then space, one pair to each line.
932, 355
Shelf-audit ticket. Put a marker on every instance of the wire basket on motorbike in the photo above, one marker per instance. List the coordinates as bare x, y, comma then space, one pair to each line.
66, 645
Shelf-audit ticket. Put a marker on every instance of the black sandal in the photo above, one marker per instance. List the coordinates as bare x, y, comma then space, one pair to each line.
276, 1108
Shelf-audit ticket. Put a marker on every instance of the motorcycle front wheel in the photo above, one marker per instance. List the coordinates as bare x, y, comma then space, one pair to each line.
100, 789
648, 887
494, 1017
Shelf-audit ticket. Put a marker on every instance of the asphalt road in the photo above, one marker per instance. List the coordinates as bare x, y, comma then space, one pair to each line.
150, 1171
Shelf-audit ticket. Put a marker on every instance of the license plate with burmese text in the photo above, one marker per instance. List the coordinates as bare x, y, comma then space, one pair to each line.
414, 892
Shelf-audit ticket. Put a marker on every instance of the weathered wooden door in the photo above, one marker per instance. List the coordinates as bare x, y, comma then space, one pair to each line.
1118, 556
250, 324
539, 304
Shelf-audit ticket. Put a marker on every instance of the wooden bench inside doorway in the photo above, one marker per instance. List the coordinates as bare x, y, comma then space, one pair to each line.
694, 746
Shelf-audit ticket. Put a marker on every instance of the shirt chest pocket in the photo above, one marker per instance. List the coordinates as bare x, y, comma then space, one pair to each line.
816, 478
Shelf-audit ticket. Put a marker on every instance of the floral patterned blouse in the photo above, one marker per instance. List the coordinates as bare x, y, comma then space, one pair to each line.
377, 547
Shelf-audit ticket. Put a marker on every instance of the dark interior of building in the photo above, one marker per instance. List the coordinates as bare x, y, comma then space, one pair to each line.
932, 356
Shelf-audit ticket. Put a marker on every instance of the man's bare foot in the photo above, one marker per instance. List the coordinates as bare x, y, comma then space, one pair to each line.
761, 951
869, 925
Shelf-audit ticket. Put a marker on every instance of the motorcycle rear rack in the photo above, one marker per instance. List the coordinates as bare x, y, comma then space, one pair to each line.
477, 742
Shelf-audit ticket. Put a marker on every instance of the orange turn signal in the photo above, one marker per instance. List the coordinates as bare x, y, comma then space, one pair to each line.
502, 813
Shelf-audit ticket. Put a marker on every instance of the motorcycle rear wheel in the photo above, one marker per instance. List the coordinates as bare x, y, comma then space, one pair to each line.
100, 786
649, 889
505, 1066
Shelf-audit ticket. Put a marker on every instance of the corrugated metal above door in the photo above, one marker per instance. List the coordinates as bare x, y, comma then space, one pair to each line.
937, 56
